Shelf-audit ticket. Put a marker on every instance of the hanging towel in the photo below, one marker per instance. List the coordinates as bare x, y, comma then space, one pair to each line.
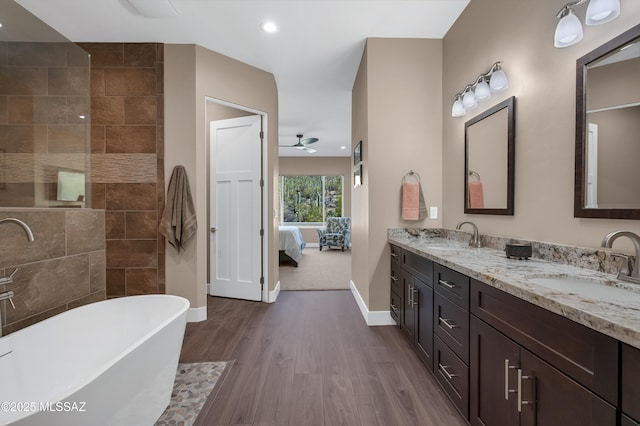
178, 223
422, 207
410, 200
476, 195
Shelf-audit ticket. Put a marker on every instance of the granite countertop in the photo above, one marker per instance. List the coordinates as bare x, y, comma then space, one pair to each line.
594, 299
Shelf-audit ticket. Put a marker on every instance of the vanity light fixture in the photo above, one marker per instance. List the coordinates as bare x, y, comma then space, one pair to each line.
494, 80
569, 28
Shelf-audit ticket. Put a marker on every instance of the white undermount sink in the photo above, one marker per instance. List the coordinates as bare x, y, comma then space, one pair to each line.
585, 287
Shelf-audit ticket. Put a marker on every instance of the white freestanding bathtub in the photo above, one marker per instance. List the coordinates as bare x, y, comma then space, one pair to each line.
107, 363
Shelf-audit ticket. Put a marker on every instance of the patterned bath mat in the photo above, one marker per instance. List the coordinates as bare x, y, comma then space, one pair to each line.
194, 382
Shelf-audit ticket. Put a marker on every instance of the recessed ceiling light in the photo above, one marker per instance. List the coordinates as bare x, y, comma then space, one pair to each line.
269, 27
343, 147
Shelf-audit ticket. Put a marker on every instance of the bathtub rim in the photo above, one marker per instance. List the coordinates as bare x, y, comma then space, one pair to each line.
85, 380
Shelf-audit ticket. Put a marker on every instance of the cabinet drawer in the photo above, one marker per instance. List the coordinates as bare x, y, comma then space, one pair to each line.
452, 374
419, 266
451, 324
630, 381
452, 284
394, 306
589, 357
627, 421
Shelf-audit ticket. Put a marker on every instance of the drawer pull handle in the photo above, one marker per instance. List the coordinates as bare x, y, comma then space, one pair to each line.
521, 377
447, 284
507, 367
394, 254
394, 278
410, 303
448, 323
414, 290
443, 368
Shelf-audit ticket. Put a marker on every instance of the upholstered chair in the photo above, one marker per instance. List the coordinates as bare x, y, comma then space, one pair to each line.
336, 234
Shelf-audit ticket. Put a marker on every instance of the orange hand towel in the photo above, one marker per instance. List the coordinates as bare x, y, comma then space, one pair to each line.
476, 195
410, 200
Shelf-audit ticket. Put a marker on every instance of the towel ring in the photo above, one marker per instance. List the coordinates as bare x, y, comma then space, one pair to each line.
411, 174
474, 174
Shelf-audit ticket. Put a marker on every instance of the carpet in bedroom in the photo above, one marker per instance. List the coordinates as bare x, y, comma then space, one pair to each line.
329, 269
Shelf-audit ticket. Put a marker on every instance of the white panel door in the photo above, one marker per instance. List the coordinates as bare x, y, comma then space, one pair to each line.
235, 219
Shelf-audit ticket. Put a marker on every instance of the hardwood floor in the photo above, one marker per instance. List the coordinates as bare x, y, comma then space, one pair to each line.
310, 359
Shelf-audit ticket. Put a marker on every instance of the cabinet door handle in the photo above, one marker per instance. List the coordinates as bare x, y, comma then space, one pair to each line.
393, 307
522, 377
507, 367
447, 322
414, 290
394, 254
394, 278
443, 368
410, 295
447, 284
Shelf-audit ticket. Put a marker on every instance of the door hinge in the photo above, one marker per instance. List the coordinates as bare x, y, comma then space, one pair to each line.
261, 280
262, 232
261, 183
261, 134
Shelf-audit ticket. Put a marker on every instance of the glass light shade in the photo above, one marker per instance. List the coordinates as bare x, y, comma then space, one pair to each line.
568, 31
483, 92
458, 110
499, 81
469, 100
602, 11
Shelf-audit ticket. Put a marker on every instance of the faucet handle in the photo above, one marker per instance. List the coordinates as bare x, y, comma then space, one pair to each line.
626, 266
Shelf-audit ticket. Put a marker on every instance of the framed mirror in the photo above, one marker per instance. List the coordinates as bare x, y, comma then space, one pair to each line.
489, 145
607, 171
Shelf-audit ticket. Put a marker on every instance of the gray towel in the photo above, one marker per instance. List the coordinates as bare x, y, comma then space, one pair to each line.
422, 207
178, 222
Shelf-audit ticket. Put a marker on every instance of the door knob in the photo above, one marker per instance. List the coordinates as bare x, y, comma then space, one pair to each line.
213, 229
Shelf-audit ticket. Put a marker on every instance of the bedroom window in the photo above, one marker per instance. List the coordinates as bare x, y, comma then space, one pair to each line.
310, 200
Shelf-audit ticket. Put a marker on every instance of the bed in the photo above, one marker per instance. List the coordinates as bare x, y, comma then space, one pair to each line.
291, 244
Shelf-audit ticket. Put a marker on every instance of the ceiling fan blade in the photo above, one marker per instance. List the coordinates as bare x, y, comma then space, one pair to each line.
309, 150
308, 141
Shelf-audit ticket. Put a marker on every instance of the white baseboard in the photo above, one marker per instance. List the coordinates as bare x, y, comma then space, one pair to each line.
197, 314
372, 318
273, 294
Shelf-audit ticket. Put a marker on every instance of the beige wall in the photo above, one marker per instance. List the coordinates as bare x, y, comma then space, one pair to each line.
327, 166
191, 74
543, 80
401, 131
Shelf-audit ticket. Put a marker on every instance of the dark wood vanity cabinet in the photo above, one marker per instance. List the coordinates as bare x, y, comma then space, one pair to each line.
630, 385
566, 381
412, 289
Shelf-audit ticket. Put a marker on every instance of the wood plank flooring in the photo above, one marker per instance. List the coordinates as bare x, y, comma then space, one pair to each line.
310, 359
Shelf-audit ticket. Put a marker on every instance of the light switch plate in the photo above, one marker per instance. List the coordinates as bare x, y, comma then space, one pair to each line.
433, 212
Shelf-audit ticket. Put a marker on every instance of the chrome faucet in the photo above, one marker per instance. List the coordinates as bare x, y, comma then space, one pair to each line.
475, 240
8, 295
630, 273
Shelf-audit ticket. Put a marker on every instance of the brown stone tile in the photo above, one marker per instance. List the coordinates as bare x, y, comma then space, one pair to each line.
85, 231
69, 81
160, 79
97, 82
3, 53
130, 81
98, 296
131, 196
114, 224
140, 54
19, 138
131, 139
160, 52
17, 195
48, 230
98, 271
4, 110
141, 225
105, 54
160, 110
140, 110
51, 109
161, 272
115, 282
132, 254
71, 138
160, 141
107, 110
79, 110
98, 138
24, 323
20, 109
98, 192
142, 281
23, 54
23, 81
45, 285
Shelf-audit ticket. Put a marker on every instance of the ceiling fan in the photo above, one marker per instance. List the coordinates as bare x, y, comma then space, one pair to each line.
302, 144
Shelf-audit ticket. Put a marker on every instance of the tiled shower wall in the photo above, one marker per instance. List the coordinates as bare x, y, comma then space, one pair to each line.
64, 267
127, 161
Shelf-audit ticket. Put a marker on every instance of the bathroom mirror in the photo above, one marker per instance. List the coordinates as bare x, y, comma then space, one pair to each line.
607, 128
489, 141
